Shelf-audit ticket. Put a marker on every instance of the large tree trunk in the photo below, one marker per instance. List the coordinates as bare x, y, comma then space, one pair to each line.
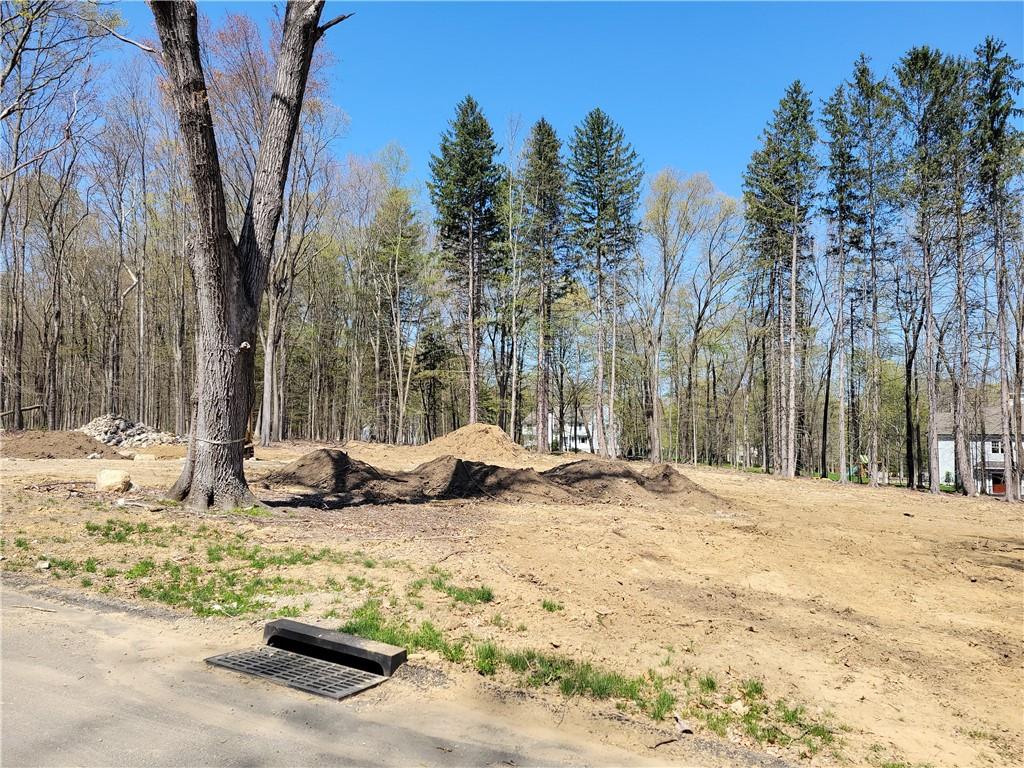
229, 278
1006, 408
960, 378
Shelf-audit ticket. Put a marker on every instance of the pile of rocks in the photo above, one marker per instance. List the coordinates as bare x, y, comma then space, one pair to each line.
125, 433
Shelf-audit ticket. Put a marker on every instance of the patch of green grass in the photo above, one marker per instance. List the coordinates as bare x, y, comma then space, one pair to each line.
369, 621
223, 592
21, 543
369, 562
551, 606
68, 566
89, 566
468, 595
357, 582
661, 705
111, 572
707, 683
487, 658
752, 689
140, 569
86, 581
251, 512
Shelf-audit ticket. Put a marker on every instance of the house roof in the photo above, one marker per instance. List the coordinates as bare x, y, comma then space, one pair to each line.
990, 416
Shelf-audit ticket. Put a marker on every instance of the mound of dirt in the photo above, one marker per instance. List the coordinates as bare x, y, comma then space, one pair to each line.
448, 477
604, 480
598, 479
477, 442
333, 473
328, 470
40, 444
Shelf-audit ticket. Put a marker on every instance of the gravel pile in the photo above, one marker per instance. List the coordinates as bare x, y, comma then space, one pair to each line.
125, 433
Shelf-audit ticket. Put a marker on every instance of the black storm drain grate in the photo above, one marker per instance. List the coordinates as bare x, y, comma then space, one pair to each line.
298, 671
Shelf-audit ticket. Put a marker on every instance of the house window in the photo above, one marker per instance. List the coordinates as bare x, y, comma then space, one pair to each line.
997, 446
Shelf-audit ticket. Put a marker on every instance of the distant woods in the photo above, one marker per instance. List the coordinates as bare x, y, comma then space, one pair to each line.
869, 278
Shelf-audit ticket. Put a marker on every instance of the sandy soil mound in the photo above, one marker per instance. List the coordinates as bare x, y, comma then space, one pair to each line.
601, 479
39, 444
477, 442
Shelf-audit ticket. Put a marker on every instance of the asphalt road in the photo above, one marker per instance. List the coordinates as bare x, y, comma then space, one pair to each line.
89, 685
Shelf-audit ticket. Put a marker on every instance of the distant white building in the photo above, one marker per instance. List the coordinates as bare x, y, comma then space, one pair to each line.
578, 436
986, 452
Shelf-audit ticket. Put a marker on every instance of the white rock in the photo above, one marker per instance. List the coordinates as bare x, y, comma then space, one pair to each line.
113, 480
144, 457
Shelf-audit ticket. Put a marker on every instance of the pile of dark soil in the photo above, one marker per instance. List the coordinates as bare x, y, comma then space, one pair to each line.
40, 444
333, 473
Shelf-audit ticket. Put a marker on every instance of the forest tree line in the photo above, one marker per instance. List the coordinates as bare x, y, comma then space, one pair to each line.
868, 279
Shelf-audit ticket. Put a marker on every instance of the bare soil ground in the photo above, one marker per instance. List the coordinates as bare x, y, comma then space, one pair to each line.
881, 627
53, 445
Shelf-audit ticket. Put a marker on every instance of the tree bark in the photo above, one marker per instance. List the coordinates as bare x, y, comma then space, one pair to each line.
229, 278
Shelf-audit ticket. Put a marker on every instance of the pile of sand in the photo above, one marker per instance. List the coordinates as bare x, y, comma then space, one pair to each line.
329, 472
39, 444
477, 442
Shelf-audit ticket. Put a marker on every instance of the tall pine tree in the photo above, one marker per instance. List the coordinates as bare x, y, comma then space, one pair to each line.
779, 192
873, 120
999, 148
604, 191
464, 190
544, 188
843, 198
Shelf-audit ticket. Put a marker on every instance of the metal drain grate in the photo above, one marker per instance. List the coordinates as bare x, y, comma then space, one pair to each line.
297, 671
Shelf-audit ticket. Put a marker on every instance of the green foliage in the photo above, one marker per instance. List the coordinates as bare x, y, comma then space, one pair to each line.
605, 174
551, 606
464, 187
470, 595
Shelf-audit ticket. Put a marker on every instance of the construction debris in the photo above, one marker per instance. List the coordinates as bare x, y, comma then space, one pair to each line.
124, 433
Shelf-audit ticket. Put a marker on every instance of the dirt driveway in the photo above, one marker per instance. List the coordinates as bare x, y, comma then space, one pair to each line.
796, 619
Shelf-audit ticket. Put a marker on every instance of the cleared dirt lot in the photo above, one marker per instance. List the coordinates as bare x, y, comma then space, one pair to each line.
883, 626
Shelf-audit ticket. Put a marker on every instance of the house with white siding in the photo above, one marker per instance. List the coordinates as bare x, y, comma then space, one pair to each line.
985, 449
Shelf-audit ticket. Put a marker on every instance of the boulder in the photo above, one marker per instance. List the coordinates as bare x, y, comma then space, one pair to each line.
113, 480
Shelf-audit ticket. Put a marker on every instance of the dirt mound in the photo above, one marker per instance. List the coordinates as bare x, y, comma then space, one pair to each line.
477, 442
327, 470
335, 476
604, 480
448, 477
335, 473
39, 444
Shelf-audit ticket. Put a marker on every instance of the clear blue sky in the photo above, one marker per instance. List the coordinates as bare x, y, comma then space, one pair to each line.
692, 84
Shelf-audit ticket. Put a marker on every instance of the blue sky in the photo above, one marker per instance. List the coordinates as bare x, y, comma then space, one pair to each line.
692, 84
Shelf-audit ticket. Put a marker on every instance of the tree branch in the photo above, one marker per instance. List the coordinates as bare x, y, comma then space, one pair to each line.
336, 20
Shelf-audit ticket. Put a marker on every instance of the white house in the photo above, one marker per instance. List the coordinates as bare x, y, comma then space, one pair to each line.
986, 451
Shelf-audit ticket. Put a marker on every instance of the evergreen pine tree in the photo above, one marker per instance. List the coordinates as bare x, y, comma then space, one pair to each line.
999, 147
873, 120
843, 199
779, 192
544, 188
464, 190
604, 190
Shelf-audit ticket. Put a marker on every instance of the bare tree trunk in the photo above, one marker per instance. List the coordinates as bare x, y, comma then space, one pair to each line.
791, 408
959, 377
229, 278
929, 354
1010, 476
